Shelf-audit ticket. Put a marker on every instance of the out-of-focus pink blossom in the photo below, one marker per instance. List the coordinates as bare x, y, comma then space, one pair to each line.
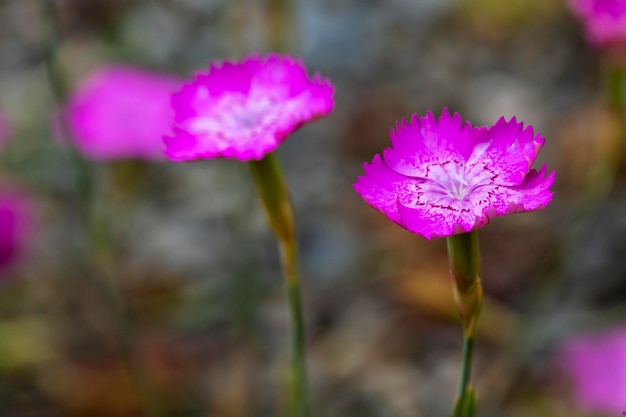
17, 225
596, 364
441, 177
604, 21
121, 112
244, 110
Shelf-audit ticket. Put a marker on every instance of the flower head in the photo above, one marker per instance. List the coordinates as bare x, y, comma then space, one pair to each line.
17, 218
596, 365
121, 112
245, 110
441, 177
604, 20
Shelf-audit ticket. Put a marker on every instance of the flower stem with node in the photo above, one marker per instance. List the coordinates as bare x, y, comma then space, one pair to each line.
464, 255
277, 204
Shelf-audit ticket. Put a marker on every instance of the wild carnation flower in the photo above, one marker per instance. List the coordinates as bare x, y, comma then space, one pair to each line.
441, 178
596, 365
245, 110
17, 217
604, 20
121, 112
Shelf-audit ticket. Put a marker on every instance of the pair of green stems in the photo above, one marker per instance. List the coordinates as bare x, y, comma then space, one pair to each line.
464, 257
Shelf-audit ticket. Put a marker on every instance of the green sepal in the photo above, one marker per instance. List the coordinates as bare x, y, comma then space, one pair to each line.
466, 405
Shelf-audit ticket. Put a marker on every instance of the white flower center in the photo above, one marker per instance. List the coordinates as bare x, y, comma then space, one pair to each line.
451, 180
236, 112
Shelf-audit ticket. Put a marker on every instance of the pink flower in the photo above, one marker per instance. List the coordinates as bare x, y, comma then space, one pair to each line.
596, 365
245, 110
604, 20
441, 177
17, 218
121, 112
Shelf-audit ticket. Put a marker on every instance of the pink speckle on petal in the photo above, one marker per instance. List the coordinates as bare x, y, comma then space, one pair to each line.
245, 110
604, 21
596, 365
121, 112
441, 177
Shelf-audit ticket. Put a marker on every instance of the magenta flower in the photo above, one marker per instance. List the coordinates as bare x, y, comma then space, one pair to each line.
245, 110
441, 177
17, 221
121, 112
604, 21
596, 365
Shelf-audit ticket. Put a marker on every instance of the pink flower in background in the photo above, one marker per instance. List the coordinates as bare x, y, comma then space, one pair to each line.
596, 364
121, 112
604, 20
441, 177
17, 218
245, 110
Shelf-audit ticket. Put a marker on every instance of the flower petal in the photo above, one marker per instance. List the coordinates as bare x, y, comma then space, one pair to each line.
432, 213
439, 219
505, 154
380, 187
420, 148
121, 112
533, 194
243, 111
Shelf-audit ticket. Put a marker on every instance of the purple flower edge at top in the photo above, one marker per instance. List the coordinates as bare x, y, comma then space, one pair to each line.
596, 366
121, 112
604, 21
442, 177
17, 225
244, 110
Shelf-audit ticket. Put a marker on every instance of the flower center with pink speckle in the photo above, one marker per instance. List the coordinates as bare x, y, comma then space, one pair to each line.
244, 110
442, 177
454, 183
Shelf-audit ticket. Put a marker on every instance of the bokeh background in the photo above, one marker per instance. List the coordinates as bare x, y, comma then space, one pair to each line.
191, 258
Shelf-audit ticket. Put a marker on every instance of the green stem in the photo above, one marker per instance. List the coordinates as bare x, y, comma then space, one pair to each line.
466, 399
279, 212
298, 401
603, 174
99, 249
103, 260
464, 254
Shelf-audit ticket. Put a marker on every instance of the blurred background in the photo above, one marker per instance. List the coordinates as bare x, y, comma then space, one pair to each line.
189, 255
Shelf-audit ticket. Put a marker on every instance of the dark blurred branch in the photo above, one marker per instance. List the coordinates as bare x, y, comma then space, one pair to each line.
51, 28
100, 254
280, 27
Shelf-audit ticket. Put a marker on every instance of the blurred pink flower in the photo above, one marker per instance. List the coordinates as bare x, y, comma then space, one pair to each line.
245, 110
121, 112
17, 222
604, 21
596, 364
440, 177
